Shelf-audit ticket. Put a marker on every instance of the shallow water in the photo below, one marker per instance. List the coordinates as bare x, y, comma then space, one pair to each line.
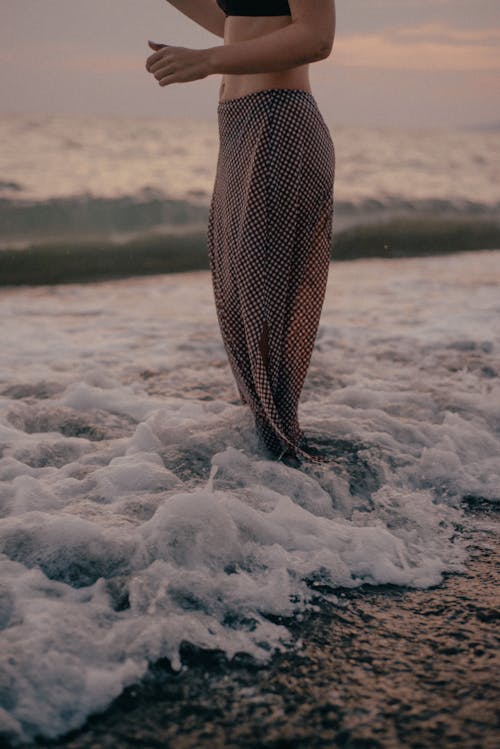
138, 512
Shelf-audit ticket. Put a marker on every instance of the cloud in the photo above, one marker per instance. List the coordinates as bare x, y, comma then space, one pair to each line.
429, 47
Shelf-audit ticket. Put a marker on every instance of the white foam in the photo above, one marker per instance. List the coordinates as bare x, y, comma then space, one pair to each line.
137, 511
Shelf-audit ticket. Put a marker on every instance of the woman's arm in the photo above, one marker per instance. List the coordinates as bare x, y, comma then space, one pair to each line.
307, 39
206, 13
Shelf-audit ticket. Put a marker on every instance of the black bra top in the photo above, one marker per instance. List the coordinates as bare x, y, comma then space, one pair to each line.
255, 7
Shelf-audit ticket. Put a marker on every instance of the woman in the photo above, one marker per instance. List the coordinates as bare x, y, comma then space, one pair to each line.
270, 223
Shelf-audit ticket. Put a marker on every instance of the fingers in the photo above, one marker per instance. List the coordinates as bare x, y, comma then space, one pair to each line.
172, 64
167, 72
155, 45
165, 68
172, 78
152, 59
159, 65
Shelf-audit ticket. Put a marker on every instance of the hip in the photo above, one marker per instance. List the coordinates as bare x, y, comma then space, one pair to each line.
273, 118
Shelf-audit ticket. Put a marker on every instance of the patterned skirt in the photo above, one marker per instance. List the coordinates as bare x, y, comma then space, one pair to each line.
269, 246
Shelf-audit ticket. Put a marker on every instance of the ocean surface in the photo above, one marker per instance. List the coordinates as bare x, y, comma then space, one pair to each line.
137, 512
116, 178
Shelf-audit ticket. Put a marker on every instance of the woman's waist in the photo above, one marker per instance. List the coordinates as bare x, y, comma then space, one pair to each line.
243, 28
235, 86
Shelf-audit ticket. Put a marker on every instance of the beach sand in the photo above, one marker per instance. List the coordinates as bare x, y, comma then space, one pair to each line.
392, 668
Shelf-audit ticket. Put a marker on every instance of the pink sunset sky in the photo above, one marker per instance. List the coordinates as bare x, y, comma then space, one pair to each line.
410, 63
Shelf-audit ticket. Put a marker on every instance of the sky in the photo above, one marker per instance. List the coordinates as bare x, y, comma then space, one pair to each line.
394, 63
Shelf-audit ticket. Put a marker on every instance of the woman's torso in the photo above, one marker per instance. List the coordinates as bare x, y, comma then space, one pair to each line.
242, 28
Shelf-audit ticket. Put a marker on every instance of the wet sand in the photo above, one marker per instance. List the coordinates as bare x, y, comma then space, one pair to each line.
388, 667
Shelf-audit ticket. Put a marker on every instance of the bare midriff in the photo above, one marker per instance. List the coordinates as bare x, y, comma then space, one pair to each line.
242, 28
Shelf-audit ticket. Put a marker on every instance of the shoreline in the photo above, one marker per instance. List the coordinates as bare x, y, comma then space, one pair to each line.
392, 668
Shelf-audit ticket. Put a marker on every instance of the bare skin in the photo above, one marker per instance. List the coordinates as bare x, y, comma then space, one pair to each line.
259, 52
243, 28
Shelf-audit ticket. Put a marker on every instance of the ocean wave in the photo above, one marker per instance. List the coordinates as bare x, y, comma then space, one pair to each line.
10, 186
95, 216
78, 260
123, 216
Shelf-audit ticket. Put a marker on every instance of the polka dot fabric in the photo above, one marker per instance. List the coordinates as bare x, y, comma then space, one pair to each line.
269, 244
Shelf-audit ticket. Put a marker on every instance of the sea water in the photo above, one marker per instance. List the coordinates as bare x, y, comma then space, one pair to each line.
138, 511
113, 178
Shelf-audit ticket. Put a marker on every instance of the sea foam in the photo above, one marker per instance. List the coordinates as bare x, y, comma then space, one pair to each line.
138, 512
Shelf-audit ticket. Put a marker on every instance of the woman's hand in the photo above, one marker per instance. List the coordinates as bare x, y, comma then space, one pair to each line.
177, 64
